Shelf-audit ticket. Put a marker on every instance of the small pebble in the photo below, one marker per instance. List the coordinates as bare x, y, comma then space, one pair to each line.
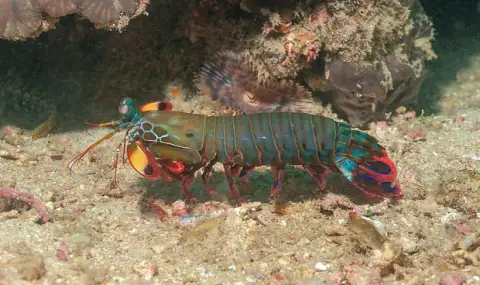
335, 231
321, 266
146, 269
14, 140
204, 272
358, 275
179, 209
452, 278
304, 241
33, 269
80, 239
158, 249
232, 268
9, 130
408, 245
9, 155
56, 156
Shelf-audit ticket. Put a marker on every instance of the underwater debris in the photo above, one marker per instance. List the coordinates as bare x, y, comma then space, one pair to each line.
13, 193
230, 79
370, 231
201, 229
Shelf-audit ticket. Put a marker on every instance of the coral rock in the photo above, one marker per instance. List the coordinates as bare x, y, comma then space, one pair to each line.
19, 18
58, 8
364, 95
356, 92
104, 12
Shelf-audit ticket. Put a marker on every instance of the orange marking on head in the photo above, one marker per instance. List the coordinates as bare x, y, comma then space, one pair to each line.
175, 92
157, 106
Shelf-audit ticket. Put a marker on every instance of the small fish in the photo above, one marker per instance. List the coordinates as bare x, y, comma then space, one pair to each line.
44, 128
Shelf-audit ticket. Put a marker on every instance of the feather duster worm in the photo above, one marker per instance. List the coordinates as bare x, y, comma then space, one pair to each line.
230, 80
19, 18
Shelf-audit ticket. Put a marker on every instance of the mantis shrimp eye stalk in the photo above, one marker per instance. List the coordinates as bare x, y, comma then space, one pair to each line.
123, 109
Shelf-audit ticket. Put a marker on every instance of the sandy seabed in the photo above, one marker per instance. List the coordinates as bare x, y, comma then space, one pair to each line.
99, 234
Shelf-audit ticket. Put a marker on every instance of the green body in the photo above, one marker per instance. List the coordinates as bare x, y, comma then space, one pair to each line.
174, 145
275, 139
